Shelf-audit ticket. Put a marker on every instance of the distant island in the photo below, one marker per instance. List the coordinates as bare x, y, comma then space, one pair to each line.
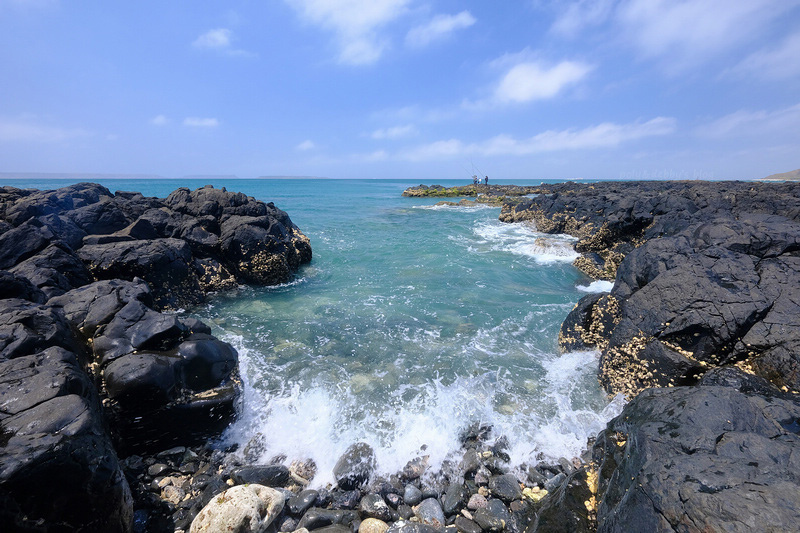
793, 175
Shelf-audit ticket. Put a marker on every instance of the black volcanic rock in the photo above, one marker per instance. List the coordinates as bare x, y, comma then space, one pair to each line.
57, 464
706, 455
706, 274
83, 277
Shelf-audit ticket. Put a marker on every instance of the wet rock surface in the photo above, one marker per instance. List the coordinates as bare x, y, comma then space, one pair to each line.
92, 369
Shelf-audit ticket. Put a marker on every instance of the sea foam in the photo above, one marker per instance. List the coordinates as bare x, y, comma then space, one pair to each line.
521, 239
597, 286
320, 421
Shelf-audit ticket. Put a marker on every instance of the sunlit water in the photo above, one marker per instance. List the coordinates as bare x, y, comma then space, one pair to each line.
411, 323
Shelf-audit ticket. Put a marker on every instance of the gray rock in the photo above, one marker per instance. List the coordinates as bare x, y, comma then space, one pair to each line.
316, 518
505, 487
467, 526
488, 521
373, 506
302, 502
412, 495
430, 512
554, 482
711, 455
454, 498
476, 501
403, 526
269, 475
471, 461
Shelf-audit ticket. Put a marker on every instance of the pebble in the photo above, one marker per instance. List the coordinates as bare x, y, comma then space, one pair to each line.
412, 495
156, 469
467, 526
373, 506
476, 501
373, 525
430, 512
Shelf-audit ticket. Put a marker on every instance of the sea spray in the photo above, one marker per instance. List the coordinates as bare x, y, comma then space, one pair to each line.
319, 421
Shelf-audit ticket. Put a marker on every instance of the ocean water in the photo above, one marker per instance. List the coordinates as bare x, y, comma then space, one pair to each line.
412, 322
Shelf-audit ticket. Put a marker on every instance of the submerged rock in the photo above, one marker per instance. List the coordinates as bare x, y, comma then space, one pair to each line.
355, 466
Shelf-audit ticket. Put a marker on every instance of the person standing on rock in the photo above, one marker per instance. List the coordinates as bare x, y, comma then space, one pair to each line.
486, 180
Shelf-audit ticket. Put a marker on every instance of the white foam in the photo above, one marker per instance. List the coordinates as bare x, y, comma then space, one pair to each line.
521, 239
472, 207
597, 286
320, 421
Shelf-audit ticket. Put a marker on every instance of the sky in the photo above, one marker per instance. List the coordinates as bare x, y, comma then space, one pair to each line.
422, 89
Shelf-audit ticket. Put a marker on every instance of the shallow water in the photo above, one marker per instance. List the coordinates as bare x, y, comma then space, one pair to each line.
411, 323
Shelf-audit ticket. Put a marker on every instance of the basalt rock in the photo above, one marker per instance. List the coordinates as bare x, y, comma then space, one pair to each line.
716, 457
709, 278
68, 340
59, 468
183, 246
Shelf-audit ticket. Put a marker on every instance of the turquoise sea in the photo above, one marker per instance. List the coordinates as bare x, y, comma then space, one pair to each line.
411, 323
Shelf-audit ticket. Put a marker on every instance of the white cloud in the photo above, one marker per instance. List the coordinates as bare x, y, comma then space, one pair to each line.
438, 28
306, 146
159, 120
681, 33
754, 123
197, 122
690, 31
219, 38
15, 130
397, 132
605, 135
354, 23
534, 81
582, 14
780, 62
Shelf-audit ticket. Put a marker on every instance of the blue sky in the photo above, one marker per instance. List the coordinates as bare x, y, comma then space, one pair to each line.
421, 89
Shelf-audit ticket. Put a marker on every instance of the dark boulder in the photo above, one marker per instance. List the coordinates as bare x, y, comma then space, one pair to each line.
571, 506
14, 286
709, 455
142, 379
26, 328
58, 467
55, 270
269, 475
96, 304
20, 243
166, 264
99, 218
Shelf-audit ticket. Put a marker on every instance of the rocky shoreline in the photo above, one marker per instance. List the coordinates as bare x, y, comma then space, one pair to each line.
94, 365
108, 401
701, 331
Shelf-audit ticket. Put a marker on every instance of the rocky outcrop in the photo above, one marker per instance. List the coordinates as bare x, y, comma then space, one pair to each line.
610, 219
701, 331
90, 367
705, 276
59, 468
496, 191
721, 456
